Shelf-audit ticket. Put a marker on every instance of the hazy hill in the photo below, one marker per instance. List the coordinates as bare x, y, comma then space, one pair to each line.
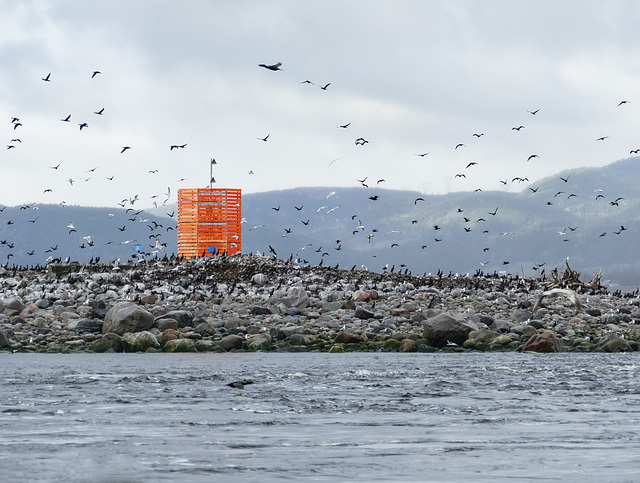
546, 222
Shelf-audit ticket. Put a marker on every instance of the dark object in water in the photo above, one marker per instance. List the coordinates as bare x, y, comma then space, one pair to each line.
239, 384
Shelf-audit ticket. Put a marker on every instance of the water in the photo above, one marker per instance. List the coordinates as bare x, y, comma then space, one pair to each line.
320, 417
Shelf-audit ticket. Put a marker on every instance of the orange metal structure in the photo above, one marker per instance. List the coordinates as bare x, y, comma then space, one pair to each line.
209, 222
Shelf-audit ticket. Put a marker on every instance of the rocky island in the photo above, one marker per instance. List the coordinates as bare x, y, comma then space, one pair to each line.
258, 303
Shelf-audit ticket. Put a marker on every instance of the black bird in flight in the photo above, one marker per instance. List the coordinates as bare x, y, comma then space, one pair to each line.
66, 119
345, 126
422, 155
602, 138
83, 125
533, 112
324, 87
48, 78
564, 179
264, 138
532, 156
271, 67
361, 141
493, 212
124, 148
459, 145
415, 202
95, 73
623, 102
517, 128
99, 113
178, 146
374, 198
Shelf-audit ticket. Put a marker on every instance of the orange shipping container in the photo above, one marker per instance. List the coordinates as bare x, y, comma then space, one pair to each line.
209, 222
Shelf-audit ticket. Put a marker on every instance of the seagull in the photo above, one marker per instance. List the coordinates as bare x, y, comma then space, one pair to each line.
324, 88
623, 102
459, 145
345, 126
66, 119
124, 148
264, 138
95, 73
422, 155
533, 112
532, 156
273, 67
48, 78
83, 125
99, 113
602, 138
361, 142
517, 128
472, 163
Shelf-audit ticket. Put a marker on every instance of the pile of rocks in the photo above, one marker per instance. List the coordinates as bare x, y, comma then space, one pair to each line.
245, 302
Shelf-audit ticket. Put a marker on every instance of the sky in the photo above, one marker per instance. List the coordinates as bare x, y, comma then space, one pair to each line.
408, 77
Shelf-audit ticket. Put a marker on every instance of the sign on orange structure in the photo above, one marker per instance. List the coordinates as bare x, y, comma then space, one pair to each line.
209, 222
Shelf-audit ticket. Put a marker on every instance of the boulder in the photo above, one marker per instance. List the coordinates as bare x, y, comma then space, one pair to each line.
546, 342
448, 327
613, 343
179, 345
126, 317
140, 342
167, 335
408, 345
231, 342
4, 340
85, 325
108, 342
259, 342
165, 324
363, 313
13, 304
296, 297
182, 317
348, 338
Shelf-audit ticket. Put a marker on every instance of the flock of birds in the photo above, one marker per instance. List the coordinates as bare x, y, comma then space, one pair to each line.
369, 232
468, 168
153, 246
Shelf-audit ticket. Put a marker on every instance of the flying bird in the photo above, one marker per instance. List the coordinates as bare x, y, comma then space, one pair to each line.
66, 119
273, 67
517, 128
178, 146
264, 138
361, 141
602, 138
48, 78
532, 156
83, 125
623, 102
124, 148
324, 87
95, 73
99, 113
533, 112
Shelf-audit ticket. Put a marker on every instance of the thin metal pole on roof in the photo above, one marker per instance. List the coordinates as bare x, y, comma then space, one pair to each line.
211, 178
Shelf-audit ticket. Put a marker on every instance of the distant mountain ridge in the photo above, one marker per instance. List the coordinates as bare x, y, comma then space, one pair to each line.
551, 220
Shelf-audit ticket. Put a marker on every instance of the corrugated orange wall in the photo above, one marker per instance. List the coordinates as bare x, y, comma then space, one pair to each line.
209, 217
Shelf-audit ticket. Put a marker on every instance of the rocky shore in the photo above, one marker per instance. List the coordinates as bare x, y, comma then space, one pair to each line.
257, 303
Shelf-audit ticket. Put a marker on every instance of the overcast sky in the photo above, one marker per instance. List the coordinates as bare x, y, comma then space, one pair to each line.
410, 77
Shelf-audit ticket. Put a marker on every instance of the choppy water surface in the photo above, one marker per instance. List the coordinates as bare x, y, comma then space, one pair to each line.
346, 417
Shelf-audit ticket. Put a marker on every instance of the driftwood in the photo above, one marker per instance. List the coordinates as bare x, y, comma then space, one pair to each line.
556, 292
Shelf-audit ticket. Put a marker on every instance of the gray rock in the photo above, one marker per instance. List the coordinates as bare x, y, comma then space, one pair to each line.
4, 340
13, 304
363, 313
179, 345
256, 310
296, 297
231, 342
108, 342
127, 317
165, 323
140, 342
613, 343
183, 317
259, 342
502, 325
85, 325
448, 327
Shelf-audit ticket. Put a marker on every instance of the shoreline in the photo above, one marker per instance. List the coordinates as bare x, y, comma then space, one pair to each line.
258, 303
